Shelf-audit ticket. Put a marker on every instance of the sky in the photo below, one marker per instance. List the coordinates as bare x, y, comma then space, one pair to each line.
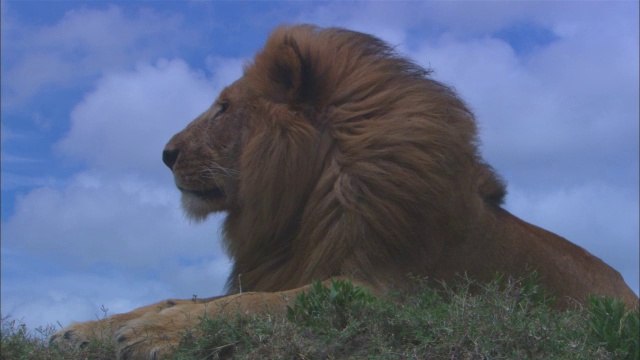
92, 91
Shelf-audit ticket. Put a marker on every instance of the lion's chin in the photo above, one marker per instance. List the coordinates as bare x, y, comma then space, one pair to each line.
198, 205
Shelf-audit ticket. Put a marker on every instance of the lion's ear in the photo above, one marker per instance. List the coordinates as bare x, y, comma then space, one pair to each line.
290, 72
293, 72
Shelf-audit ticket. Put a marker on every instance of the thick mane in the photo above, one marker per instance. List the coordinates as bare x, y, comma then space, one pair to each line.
367, 166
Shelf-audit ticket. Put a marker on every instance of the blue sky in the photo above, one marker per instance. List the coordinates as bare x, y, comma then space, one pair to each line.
91, 92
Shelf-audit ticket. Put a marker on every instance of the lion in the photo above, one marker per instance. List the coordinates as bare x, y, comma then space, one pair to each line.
334, 157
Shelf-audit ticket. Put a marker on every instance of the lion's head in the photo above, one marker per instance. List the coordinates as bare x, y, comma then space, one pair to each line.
333, 155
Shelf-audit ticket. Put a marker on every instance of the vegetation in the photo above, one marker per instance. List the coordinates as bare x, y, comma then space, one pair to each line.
504, 319
19, 343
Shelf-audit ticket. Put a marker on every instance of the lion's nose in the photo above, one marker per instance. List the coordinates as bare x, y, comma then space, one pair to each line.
169, 157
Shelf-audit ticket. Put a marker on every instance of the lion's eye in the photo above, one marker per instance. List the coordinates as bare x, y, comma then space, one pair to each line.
223, 107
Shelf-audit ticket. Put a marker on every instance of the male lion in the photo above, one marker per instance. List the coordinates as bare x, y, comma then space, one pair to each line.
333, 156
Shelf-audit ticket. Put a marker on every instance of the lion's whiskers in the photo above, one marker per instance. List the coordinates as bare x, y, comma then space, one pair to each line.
213, 171
216, 169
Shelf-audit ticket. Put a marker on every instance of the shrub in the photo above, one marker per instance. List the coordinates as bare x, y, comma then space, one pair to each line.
615, 327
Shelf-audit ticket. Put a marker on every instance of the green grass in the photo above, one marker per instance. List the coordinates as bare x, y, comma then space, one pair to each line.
503, 319
18, 343
614, 327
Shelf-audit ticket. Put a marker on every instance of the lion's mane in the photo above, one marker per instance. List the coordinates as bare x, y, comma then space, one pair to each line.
368, 167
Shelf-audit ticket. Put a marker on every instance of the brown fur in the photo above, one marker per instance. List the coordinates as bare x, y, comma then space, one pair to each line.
333, 156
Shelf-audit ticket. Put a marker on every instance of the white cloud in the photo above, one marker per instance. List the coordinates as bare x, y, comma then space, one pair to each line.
572, 102
86, 42
6, 134
122, 214
66, 298
382, 19
124, 221
202, 278
79, 296
577, 214
225, 70
131, 227
12, 181
124, 124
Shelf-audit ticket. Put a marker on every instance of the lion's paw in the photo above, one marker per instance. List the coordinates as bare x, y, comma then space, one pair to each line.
137, 340
68, 337
79, 335
156, 334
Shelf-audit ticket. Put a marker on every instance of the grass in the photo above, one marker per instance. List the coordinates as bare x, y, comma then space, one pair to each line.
19, 343
500, 320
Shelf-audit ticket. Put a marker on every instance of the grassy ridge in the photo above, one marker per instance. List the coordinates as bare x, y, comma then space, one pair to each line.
500, 320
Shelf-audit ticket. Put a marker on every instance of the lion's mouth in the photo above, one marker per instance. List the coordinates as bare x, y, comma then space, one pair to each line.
198, 204
210, 194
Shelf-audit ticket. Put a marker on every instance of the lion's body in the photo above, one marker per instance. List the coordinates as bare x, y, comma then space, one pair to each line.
334, 157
